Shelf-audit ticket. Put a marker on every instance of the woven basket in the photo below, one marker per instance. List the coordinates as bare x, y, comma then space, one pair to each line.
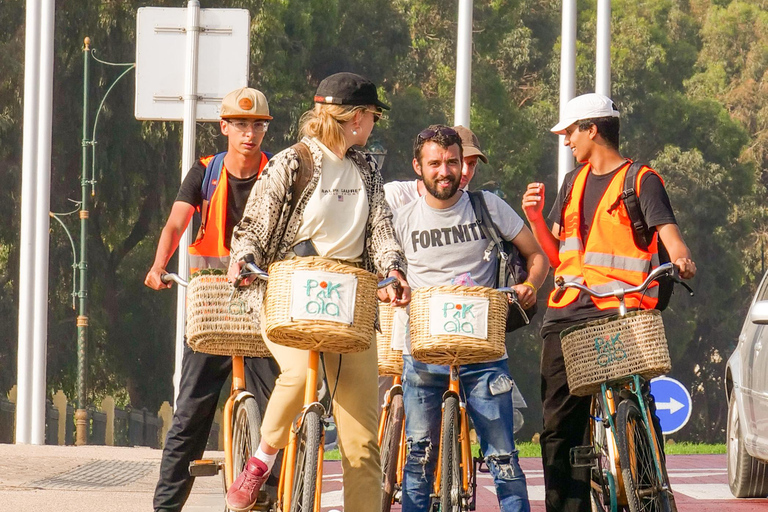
390, 361
217, 326
457, 349
316, 334
613, 348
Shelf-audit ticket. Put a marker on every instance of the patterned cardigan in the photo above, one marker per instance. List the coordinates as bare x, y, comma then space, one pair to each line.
266, 231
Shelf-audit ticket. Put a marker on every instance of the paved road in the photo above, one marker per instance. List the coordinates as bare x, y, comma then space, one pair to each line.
106, 479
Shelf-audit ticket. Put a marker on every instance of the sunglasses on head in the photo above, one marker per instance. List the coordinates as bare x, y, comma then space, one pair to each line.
445, 131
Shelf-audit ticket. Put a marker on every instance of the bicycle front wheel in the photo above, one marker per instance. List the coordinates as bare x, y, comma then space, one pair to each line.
450, 473
390, 449
307, 455
246, 434
602, 481
646, 492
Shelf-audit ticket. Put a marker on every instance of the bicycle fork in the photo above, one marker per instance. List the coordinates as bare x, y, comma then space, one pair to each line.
287, 471
466, 464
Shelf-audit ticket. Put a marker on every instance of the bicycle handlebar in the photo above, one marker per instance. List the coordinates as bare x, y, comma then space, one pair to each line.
516, 302
168, 277
665, 270
251, 269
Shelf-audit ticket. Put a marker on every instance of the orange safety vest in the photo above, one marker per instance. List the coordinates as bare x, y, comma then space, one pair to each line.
609, 259
210, 249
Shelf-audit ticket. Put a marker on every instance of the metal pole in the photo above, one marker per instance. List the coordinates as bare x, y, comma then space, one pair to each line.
463, 64
603, 54
187, 159
81, 415
42, 219
567, 80
28, 226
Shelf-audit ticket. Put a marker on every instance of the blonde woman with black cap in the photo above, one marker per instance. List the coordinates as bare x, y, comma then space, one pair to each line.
341, 214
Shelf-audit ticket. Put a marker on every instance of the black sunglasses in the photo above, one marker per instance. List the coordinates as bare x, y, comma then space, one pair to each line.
445, 131
376, 114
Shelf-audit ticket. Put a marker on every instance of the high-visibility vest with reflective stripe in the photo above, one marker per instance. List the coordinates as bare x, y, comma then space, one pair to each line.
609, 259
210, 251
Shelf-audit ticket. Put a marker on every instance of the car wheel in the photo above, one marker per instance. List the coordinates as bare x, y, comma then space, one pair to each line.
747, 476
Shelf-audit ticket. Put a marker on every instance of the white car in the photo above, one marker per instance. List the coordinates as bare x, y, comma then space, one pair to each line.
746, 382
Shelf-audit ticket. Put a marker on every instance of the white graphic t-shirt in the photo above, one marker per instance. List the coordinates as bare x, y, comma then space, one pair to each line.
400, 193
442, 244
337, 210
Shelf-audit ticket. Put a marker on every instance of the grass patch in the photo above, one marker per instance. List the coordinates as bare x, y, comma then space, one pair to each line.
686, 448
534, 449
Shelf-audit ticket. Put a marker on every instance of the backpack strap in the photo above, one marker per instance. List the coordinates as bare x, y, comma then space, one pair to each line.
642, 234
489, 230
570, 178
212, 174
303, 174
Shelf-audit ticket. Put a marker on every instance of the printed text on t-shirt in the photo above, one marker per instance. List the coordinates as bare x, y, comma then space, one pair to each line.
445, 236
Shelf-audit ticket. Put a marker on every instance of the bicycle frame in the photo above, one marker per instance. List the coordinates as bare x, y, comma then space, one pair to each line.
466, 463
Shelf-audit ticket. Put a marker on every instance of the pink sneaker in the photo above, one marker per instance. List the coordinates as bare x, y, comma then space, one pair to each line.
244, 491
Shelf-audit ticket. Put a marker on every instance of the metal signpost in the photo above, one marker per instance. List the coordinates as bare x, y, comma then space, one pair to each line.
673, 404
187, 59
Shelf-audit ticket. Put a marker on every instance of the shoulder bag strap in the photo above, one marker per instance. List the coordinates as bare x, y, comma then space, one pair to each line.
303, 174
488, 228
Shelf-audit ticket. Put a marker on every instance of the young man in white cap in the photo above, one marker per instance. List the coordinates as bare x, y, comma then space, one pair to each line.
217, 187
399, 193
591, 240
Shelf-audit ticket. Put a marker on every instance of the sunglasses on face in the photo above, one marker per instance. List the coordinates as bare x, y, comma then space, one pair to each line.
240, 125
376, 114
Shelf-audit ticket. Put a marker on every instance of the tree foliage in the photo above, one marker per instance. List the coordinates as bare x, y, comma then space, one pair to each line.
689, 77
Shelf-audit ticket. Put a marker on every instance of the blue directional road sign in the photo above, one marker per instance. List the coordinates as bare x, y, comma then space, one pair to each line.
673, 403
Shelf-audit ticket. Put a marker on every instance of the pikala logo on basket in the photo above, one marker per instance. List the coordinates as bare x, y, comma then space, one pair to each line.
324, 297
458, 315
319, 295
609, 349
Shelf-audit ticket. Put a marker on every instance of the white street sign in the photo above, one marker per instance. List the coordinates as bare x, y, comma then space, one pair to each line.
222, 60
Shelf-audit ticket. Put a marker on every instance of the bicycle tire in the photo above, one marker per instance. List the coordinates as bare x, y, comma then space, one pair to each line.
246, 433
645, 491
390, 450
450, 472
602, 485
307, 454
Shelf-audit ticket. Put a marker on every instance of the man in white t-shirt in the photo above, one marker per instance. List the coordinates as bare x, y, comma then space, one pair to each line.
441, 240
400, 193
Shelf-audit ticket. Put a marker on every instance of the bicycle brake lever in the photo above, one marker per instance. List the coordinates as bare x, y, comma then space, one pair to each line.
559, 282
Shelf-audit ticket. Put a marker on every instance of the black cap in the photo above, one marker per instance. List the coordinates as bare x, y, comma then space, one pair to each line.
348, 89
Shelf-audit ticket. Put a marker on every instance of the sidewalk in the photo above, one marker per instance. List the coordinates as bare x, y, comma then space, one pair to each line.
91, 478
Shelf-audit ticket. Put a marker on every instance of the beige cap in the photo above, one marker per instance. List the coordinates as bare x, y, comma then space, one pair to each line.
245, 102
469, 144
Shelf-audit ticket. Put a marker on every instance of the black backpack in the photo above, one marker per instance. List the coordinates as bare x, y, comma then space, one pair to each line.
512, 267
642, 234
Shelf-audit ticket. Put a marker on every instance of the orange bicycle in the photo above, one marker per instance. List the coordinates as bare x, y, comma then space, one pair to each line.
241, 424
300, 484
392, 444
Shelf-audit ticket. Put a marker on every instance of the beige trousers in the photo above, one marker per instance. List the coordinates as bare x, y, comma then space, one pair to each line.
355, 410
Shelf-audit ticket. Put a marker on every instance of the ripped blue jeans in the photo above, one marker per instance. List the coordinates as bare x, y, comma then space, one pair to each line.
423, 388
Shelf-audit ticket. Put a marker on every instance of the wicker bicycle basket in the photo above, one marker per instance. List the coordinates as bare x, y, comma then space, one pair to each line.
390, 360
216, 325
614, 347
456, 348
319, 334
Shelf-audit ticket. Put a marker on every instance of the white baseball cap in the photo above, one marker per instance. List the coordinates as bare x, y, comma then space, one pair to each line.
586, 106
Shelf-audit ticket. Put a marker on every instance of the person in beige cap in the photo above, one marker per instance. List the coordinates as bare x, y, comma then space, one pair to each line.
400, 193
216, 190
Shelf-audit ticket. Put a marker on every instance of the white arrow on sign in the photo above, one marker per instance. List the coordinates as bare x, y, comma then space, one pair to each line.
672, 406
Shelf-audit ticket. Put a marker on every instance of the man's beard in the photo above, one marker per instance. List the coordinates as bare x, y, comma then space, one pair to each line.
446, 193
